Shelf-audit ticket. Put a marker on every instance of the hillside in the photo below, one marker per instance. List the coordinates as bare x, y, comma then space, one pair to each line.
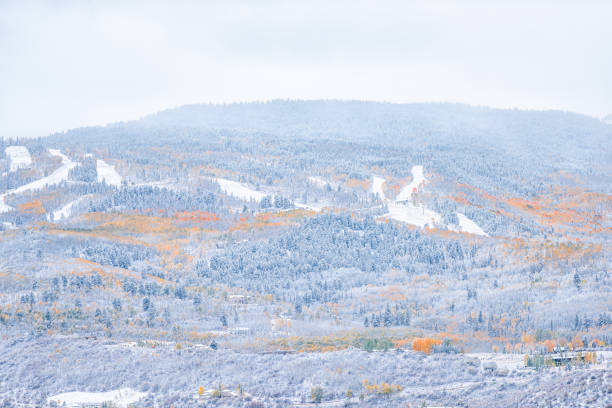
295, 252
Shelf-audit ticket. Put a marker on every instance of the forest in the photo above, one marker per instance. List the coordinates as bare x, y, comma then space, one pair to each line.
290, 254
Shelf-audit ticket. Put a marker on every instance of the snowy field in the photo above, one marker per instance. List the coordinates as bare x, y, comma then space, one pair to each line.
319, 182
239, 190
59, 175
510, 361
107, 173
417, 180
414, 215
167, 184
65, 211
19, 157
404, 209
308, 207
377, 187
122, 398
470, 226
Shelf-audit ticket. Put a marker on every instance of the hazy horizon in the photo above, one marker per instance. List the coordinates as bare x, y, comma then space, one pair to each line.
73, 64
147, 114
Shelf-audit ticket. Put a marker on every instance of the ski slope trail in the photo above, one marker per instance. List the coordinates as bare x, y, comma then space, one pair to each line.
58, 176
319, 182
19, 157
121, 398
418, 179
239, 190
470, 226
66, 210
413, 214
404, 209
107, 174
377, 187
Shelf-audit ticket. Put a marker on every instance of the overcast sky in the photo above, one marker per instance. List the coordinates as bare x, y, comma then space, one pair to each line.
65, 64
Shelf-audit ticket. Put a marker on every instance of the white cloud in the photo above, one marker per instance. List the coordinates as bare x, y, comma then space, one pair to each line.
72, 63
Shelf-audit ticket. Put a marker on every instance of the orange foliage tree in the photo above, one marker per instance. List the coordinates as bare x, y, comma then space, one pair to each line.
32, 207
425, 345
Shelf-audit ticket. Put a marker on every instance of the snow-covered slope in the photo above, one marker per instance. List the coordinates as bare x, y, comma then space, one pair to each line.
107, 173
377, 187
167, 184
239, 190
318, 181
65, 211
417, 179
470, 226
3, 206
19, 157
122, 398
404, 210
59, 175
412, 214
308, 207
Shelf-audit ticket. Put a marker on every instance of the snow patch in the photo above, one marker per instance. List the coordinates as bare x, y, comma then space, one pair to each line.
404, 210
3, 206
8, 225
65, 211
377, 187
107, 173
239, 190
167, 184
19, 157
510, 361
59, 175
121, 397
308, 207
417, 179
413, 214
319, 182
470, 226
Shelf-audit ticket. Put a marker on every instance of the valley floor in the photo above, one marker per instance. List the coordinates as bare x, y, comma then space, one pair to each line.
34, 369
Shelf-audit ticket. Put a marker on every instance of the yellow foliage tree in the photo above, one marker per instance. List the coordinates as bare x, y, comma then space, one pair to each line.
425, 345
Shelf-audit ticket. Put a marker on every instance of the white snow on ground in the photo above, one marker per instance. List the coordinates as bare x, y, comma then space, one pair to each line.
377, 187
318, 181
19, 157
3, 206
308, 207
417, 179
59, 175
239, 190
470, 226
511, 361
107, 173
167, 184
413, 214
121, 397
404, 210
65, 211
